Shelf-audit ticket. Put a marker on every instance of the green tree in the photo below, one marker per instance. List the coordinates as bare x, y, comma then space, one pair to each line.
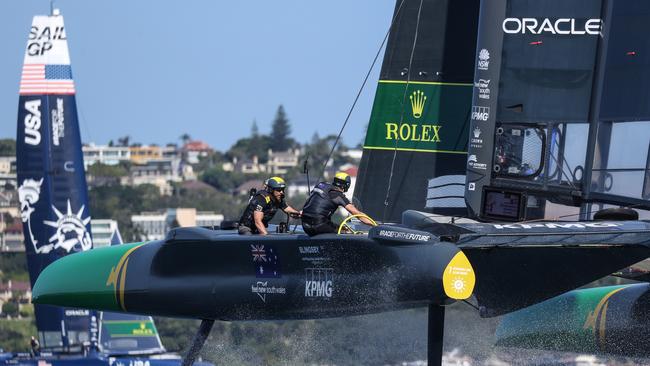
255, 131
123, 141
15, 333
281, 132
10, 308
185, 138
222, 180
104, 170
211, 160
26, 310
248, 147
13, 266
7, 147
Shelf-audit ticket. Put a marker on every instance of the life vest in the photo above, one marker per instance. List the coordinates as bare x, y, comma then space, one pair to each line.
269, 208
319, 207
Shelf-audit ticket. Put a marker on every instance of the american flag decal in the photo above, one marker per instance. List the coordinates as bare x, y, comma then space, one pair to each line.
46, 79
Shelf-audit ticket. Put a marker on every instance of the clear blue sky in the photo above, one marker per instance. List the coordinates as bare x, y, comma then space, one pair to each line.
154, 70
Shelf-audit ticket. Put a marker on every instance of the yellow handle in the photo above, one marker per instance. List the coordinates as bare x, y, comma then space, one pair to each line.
344, 222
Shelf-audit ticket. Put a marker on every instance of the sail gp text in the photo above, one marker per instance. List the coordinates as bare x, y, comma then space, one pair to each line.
318, 282
40, 39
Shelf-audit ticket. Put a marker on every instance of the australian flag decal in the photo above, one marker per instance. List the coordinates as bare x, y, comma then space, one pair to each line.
266, 261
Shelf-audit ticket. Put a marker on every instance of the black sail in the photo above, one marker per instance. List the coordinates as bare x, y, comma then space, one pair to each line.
415, 149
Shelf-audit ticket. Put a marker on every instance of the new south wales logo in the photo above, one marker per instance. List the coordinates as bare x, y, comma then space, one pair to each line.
417, 103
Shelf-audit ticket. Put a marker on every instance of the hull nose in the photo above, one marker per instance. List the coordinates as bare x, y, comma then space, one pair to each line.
91, 279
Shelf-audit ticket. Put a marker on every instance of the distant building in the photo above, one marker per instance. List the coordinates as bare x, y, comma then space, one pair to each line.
113, 155
353, 154
194, 150
299, 186
208, 218
20, 290
9, 205
12, 239
196, 185
245, 188
7, 165
245, 166
105, 232
8, 172
280, 162
146, 153
9, 181
108, 155
170, 151
157, 172
155, 225
152, 224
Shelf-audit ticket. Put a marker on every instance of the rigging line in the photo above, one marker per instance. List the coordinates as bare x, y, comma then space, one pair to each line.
465, 125
562, 172
401, 118
374, 61
563, 159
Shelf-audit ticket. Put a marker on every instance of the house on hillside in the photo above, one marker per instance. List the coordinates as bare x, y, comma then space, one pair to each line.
280, 162
245, 188
11, 238
195, 150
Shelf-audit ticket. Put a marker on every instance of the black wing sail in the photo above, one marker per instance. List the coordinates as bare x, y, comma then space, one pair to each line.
416, 144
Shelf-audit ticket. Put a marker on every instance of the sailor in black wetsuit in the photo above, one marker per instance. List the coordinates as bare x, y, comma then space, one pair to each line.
323, 202
263, 206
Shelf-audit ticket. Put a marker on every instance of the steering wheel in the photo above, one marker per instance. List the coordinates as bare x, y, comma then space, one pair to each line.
344, 223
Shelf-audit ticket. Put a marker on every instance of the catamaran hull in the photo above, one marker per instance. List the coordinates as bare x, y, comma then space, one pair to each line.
612, 320
245, 278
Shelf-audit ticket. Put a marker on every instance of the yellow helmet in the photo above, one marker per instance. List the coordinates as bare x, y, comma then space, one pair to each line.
342, 180
276, 183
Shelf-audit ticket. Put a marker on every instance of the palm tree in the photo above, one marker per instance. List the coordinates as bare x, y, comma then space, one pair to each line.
185, 138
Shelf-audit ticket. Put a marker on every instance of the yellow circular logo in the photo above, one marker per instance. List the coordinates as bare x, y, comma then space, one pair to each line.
458, 280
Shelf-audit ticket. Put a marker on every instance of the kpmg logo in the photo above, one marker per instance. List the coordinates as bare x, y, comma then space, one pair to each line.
480, 113
33, 122
483, 59
319, 282
548, 26
417, 103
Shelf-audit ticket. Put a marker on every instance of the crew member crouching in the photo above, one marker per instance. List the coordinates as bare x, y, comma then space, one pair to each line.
263, 206
324, 200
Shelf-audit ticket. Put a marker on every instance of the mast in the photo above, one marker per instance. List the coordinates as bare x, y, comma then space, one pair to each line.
51, 178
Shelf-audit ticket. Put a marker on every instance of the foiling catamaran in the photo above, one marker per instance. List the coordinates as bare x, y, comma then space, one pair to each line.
551, 95
56, 219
